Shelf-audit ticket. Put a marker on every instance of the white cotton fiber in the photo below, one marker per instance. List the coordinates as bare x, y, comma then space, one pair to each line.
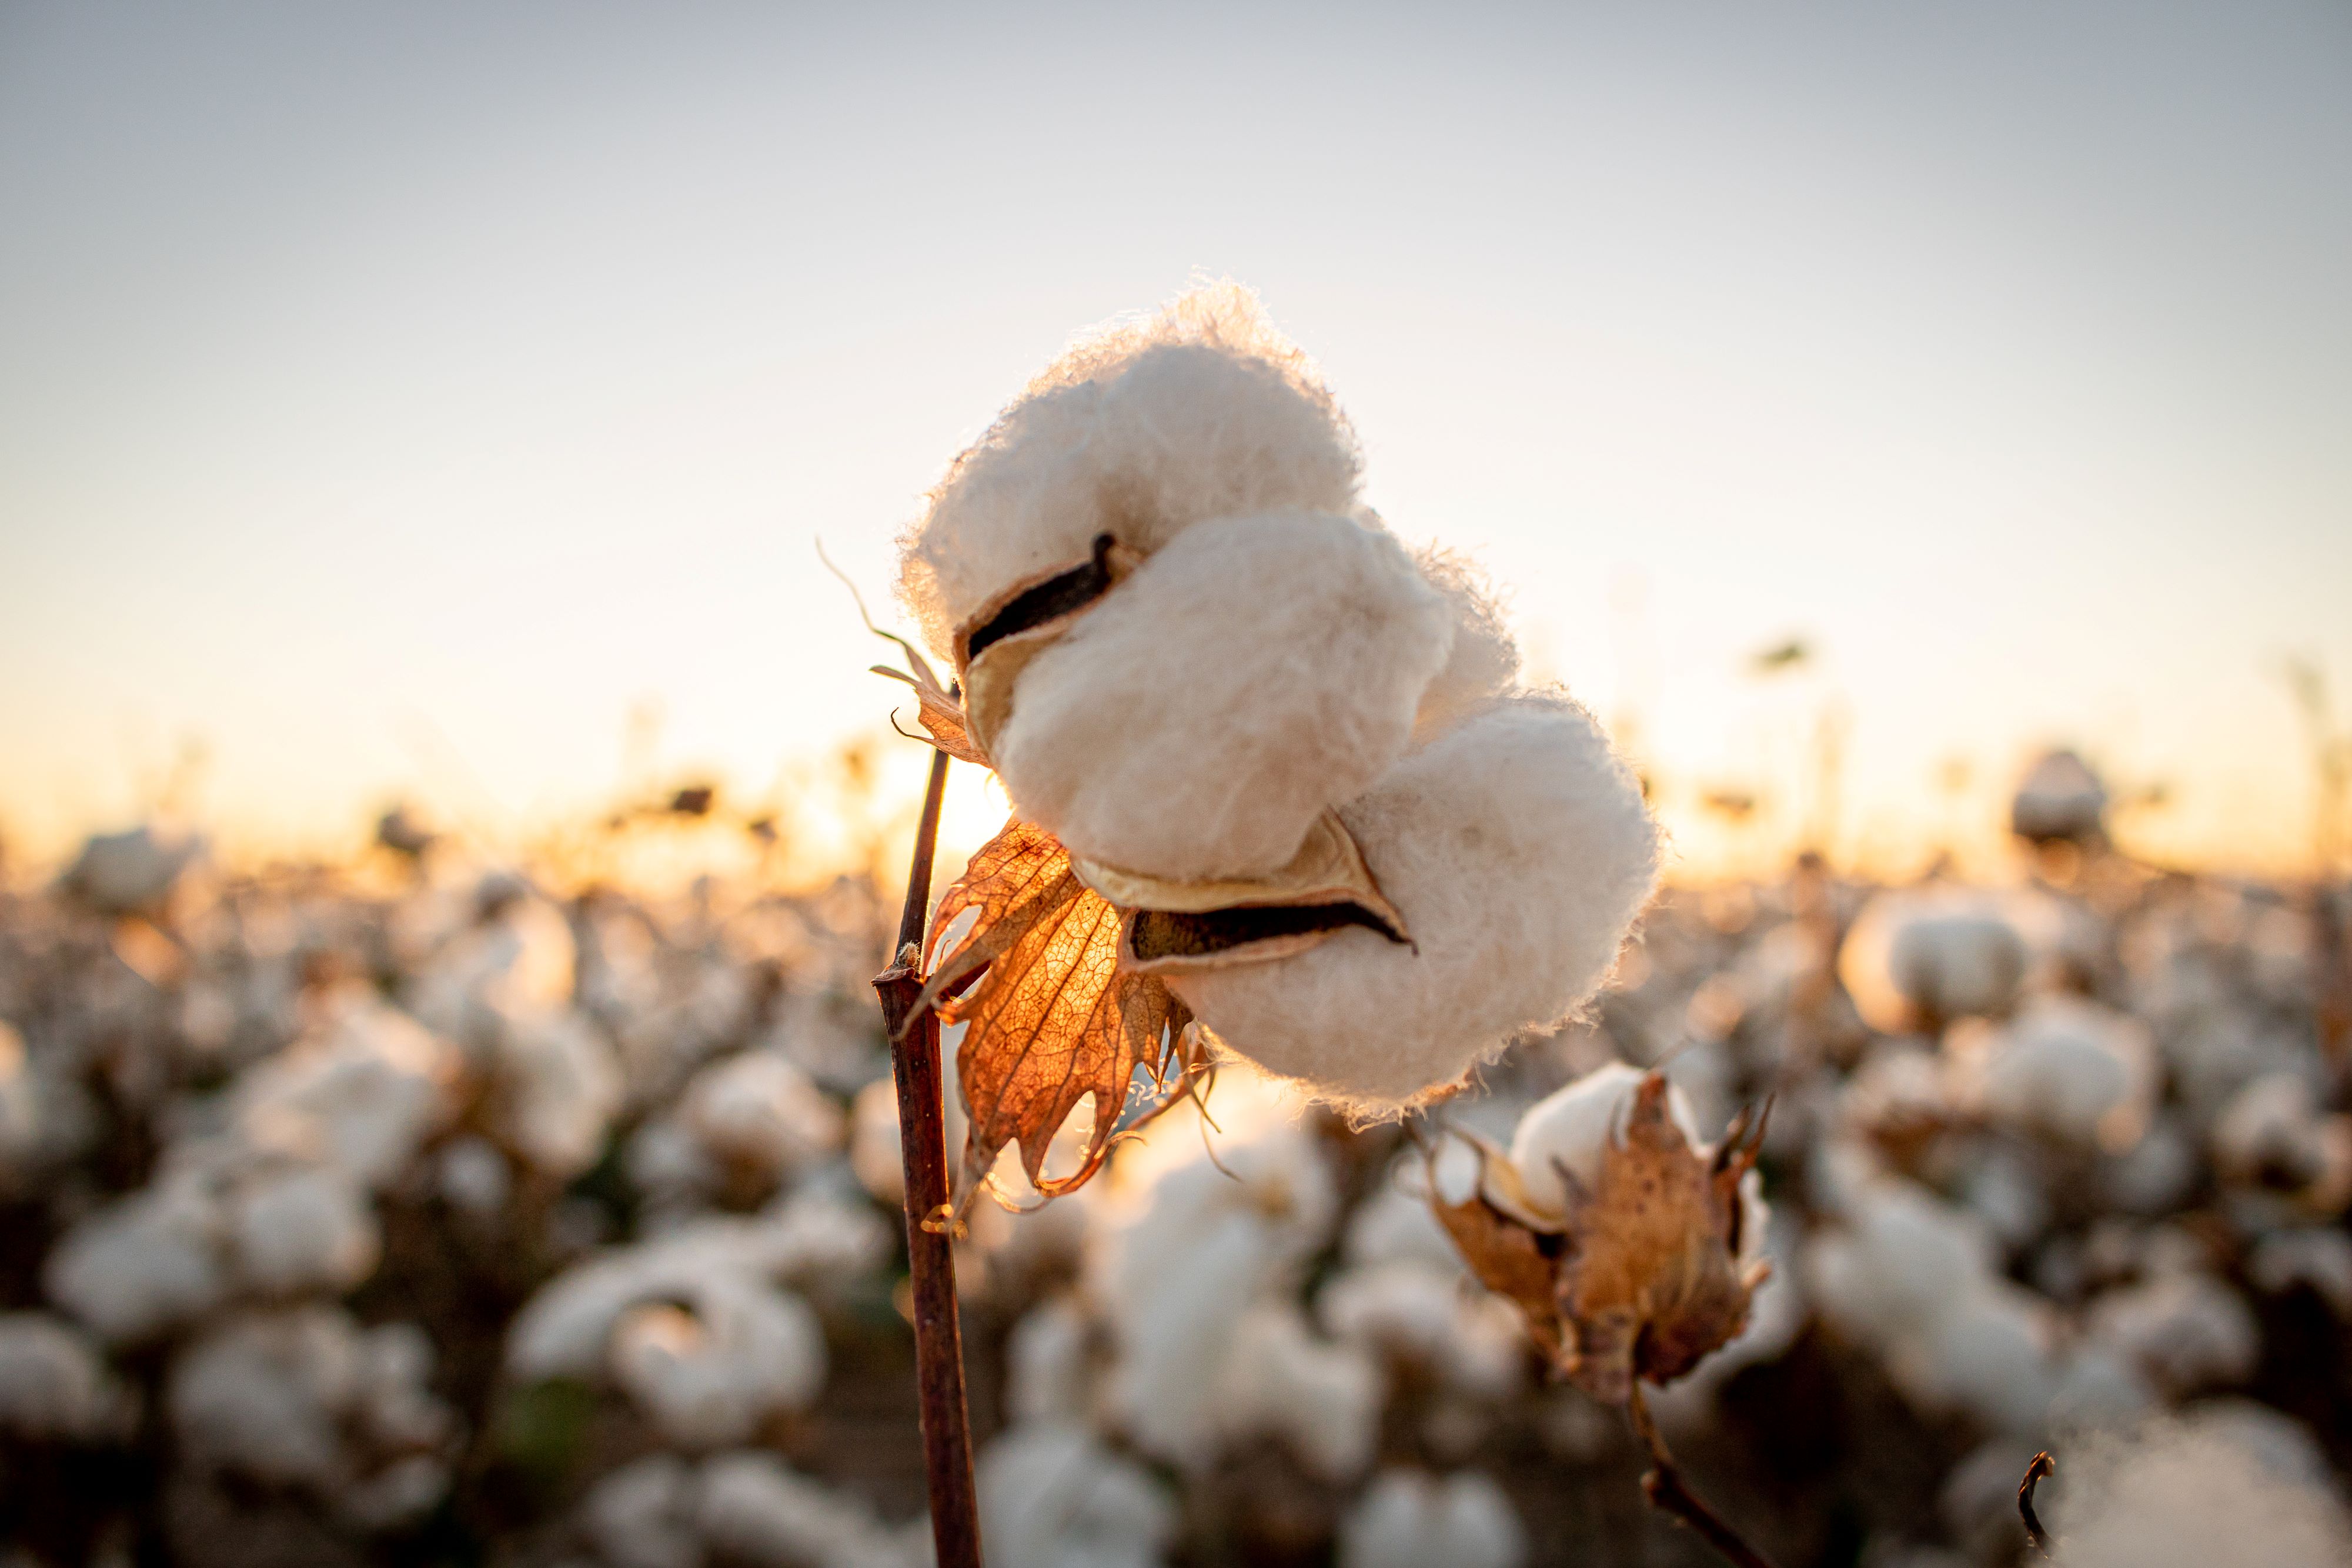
1921, 957
302, 1229
2059, 798
1205, 411
1320, 1398
265, 1395
1482, 662
1518, 849
1052, 1496
710, 1376
2066, 1069
146, 1263
1569, 1129
54, 1385
2189, 1493
1195, 722
642, 1515
757, 1110
1409, 1519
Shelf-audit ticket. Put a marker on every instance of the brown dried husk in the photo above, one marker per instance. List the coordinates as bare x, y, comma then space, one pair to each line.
1641, 1278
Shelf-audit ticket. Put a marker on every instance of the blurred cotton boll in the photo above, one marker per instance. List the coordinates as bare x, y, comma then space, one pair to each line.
1408, 1519
2064, 1068
2059, 799
1255, 671
129, 873
1140, 431
54, 1383
1519, 850
1920, 957
1052, 1496
2188, 1493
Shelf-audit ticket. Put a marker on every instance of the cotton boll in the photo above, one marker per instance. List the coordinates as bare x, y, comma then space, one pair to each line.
560, 1090
1408, 1519
2155, 1175
296, 1231
1203, 410
263, 1394
1475, 1343
1900, 1265
2066, 1069
710, 1376
395, 1403
2319, 1259
2275, 1135
1482, 662
46, 1120
2186, 1494
397, 1496
1321, 1399
148, 1263
473, 1176
1518, 849
643, 1515
1049, 1365
54, 1385
1197, 720
1988, 1353
2059, 799
1928, 955
129, 873
757, 1110
754, 1509
2099, 1388
1052, 1496
1175, 1277
364, 1092
2187, 1331
1563, 1136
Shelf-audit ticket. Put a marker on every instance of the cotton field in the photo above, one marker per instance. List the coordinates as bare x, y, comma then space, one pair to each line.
429, 1210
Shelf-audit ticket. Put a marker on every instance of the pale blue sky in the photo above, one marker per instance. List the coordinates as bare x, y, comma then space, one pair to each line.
476, 373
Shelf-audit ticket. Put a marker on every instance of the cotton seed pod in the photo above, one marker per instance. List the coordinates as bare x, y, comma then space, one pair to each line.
1203, 410
1518, 849
1195, 722
1647, 1271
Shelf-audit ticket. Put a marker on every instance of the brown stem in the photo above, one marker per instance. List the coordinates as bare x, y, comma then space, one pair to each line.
930, 1257
2041, 1466
1665, 1488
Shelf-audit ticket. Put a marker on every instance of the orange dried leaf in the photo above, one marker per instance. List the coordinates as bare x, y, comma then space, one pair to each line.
1052, 1019
937, 710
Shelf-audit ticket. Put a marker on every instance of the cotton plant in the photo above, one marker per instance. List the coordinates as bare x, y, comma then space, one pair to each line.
1278, 789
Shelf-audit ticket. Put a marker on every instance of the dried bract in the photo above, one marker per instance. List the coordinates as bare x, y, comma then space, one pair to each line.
1643, 1276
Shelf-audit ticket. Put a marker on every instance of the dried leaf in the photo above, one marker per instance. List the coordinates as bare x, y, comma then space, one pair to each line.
1052, 1019
941, 716
1509, 1258
1644, 1280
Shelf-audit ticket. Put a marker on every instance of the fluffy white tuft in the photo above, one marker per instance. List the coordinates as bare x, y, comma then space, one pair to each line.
1483, 661
1564, 1134
1408, 1518
1256, 671
2192, 1491
1202, 411
1518, 849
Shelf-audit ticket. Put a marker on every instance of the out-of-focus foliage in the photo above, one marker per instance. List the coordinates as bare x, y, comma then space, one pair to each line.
429, 1211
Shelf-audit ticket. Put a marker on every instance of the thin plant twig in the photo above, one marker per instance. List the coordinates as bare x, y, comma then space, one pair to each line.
2043, 1465
1664, 1487
930, 1256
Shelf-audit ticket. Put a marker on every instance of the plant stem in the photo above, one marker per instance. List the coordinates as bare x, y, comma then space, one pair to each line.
930, 1255
2041, 1466
1664, 1488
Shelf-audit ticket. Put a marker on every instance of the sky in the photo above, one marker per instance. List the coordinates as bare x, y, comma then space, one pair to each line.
423, 402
